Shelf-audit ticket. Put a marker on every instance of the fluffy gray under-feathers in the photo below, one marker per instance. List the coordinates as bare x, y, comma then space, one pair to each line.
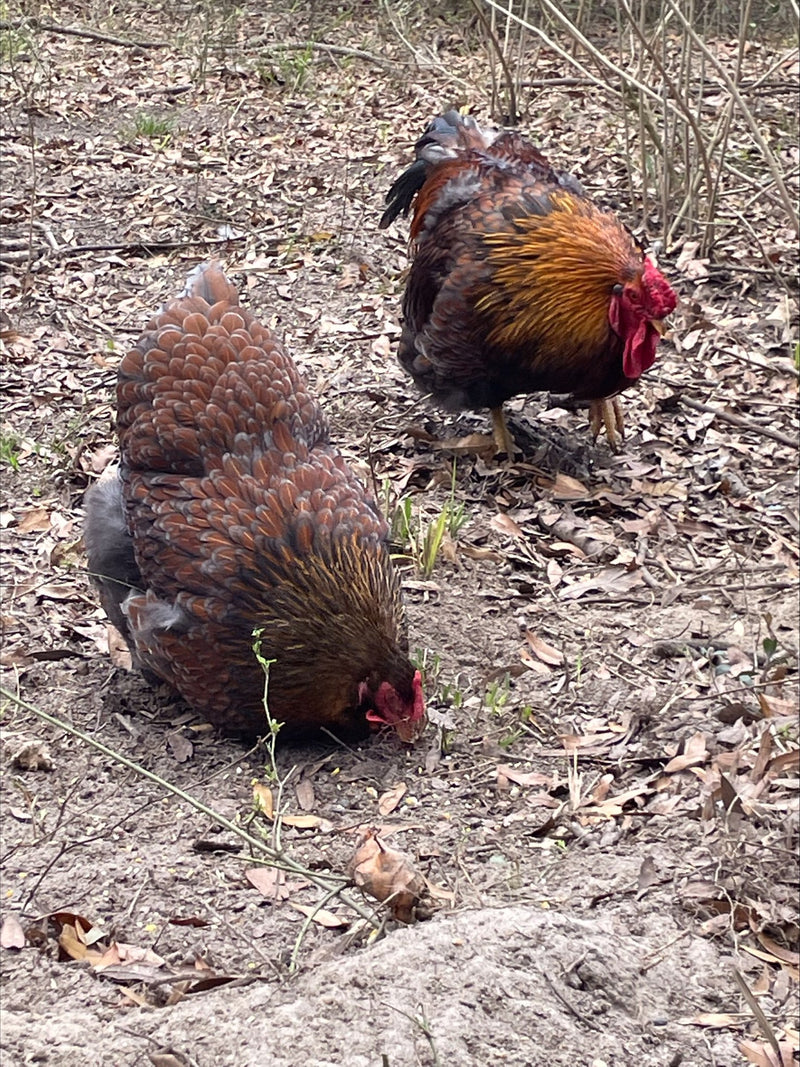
109, 547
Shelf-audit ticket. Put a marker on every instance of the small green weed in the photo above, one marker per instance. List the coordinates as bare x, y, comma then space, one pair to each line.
273, 725
151, 128
423, 541
13, 44
289, 68
497, 693
9, 449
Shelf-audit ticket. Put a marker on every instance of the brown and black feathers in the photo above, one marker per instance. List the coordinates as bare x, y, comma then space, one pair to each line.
518, 282
231, 513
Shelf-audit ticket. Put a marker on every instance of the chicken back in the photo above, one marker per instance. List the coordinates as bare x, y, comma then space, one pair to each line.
231, 519
519, 283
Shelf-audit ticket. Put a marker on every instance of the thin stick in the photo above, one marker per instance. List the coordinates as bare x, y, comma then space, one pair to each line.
769, 158
321, 46
147, 246
511, 94
68, 31
262, 850
739, 420
759, 1015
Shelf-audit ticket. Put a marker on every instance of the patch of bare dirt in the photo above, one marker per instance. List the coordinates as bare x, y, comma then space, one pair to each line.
605, 804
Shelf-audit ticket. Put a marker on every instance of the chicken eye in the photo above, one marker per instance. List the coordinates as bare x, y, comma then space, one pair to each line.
617, 289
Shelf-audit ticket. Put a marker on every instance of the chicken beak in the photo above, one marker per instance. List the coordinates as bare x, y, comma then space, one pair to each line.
409, 730
660, 326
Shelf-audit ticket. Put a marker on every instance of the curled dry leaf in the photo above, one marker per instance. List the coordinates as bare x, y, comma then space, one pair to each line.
304, 791
388, 875
11, 933
262, 799
540, 648
321, 916
389, 800
694, 752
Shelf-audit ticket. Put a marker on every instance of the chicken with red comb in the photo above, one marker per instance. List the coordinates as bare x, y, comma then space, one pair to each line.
232, 519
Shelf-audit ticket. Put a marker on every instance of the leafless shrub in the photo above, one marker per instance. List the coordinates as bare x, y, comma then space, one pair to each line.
663, 77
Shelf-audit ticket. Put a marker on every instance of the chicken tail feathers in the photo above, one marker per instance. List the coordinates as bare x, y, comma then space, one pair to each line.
402, 193
448, 136
208, 282
459, 141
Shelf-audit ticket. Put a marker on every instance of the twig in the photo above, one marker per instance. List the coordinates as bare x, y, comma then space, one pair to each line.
677, 649
570, 1007
769, 158
759, 1015
422, 1022
498, 48
262, 850
69, 31
737, 420
321, 46
147, 246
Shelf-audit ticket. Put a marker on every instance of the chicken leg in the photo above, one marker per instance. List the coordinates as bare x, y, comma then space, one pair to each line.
501, 434
607, 414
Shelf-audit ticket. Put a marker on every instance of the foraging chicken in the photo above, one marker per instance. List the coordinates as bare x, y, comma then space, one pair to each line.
231, 514
519, 283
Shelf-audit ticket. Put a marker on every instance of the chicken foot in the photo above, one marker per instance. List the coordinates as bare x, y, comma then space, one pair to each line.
503, 440
607, 414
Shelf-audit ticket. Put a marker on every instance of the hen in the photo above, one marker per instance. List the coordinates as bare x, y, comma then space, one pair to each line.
519, 283
230, 513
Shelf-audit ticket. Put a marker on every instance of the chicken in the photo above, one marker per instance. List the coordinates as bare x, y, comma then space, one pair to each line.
229, 516
519, 283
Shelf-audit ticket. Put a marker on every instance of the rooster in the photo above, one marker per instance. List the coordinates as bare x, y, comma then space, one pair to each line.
519, 283
232, 520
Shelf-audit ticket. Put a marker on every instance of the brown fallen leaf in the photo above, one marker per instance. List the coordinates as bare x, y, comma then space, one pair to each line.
785, 955
180, 746
648, 875
308, 822
763, 1055
714, 1020
262, 799
476, 444
612, 580
119, 953
546, 653
524, 778
321, 916
34, 520
11, 933
304, 791
71, 943
505, 524
694, 752
389, 800
388, 875
564, 487
272, 884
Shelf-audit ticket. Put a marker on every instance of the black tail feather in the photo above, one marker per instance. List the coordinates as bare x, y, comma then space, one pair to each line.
402, 193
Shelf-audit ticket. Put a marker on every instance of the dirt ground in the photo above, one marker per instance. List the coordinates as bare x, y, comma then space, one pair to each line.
604, 805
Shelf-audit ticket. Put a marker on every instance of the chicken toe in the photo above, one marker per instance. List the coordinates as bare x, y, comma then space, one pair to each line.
607, 414
502, 435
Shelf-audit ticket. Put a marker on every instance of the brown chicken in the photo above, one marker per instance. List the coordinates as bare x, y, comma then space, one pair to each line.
230, 513
519, 283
